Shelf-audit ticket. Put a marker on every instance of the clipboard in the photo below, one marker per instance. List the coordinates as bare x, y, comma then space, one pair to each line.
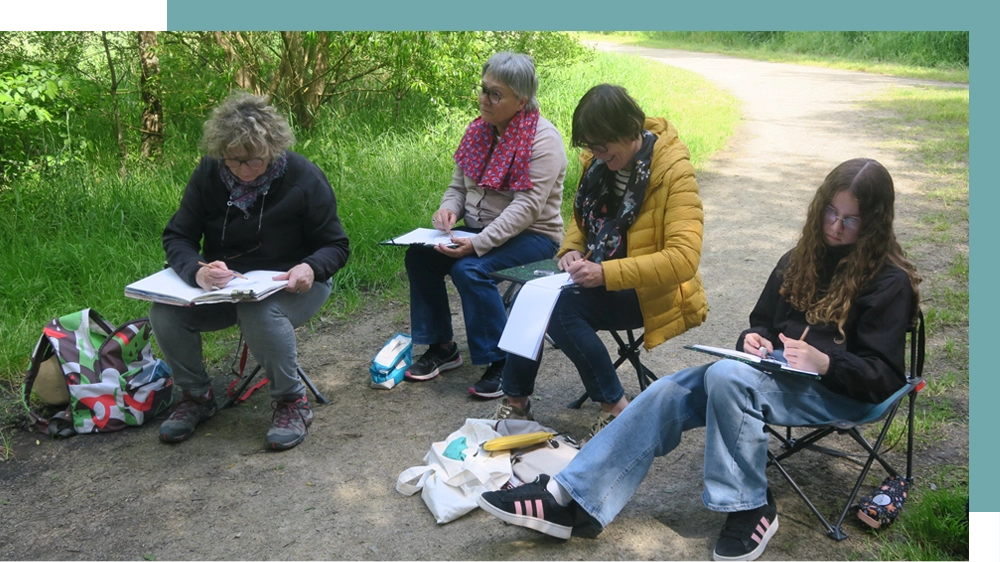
767, 365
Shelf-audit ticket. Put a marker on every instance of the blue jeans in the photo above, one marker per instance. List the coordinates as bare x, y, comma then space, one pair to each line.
482, 305
732, 401
576, 318
268, 326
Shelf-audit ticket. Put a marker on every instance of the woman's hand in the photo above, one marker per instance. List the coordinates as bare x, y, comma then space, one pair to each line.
586, 273
213, 276
757, 344
568, 258
464, 248
300, 278
443, 219
800, 355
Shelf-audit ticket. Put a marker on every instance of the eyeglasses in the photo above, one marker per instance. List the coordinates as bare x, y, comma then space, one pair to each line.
850, 223
235, 163
492, 95
595, 148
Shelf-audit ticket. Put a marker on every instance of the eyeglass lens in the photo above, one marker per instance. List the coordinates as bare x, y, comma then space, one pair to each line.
236, 163
494, 97
850, 223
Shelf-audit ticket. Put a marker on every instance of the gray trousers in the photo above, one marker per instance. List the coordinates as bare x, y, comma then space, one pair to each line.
268, 326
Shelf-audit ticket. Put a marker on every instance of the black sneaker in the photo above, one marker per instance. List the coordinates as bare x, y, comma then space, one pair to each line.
489, 385
438, 357
745, 534
531, 506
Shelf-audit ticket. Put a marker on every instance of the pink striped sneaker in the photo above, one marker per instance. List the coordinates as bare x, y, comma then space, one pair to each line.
531, 506
745, 534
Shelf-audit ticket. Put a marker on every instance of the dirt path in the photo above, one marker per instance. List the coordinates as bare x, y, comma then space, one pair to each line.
221, 496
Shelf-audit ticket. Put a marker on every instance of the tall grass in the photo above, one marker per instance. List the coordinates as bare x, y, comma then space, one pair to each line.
75, 238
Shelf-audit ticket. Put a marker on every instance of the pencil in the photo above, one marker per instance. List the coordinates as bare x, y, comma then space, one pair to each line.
213, 267
804, 332
587, 255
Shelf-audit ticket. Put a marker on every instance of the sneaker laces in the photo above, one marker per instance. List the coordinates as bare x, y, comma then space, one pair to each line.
503, 410
187, 402
601, 423
284, 413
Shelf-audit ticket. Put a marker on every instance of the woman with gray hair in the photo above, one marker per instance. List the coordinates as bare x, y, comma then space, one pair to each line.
250, 204
507, 186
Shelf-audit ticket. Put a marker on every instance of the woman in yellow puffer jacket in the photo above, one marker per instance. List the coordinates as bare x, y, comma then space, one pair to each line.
634, 247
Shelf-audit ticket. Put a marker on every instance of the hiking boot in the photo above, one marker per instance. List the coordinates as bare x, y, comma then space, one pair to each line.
745, 534
507, 411
489, 385
438, 357
289, 423
602, 421
189, 411
531, 506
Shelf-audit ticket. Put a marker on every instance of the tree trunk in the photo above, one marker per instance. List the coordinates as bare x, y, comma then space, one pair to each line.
122, 152
152, 104
235, 47
119, 136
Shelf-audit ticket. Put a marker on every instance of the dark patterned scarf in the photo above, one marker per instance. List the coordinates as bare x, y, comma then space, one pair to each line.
243, 194
507, 167
606, 221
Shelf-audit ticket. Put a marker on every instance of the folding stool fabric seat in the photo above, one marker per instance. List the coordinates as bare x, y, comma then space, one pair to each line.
883, 413
238, 395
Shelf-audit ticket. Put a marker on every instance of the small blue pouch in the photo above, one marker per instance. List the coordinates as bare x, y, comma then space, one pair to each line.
391, 362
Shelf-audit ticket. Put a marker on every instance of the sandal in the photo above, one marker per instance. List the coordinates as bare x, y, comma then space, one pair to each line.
883, 504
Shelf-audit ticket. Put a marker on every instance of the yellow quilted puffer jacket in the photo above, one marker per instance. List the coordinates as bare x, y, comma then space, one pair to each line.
664, 242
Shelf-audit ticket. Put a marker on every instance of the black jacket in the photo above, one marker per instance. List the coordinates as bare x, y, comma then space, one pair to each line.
295, 222
869, 365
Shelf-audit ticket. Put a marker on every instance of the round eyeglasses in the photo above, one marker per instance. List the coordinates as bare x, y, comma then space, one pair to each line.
850, 223
491, 95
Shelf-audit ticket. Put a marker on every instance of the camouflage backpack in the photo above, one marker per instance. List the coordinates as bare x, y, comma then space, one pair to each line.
113, 379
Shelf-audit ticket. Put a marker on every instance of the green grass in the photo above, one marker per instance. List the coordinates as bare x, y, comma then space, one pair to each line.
74, 238
930, 129
934, 523
895, 53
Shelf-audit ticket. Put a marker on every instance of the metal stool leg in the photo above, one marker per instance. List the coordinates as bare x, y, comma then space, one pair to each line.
312, 388
253, 374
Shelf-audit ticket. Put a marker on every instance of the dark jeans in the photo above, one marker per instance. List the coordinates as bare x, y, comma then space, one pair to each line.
577, 317
482, 305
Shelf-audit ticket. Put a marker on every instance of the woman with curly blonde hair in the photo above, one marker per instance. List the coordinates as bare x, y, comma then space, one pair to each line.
839, 304
251, 204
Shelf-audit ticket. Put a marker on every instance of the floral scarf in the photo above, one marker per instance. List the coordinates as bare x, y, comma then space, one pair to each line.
605, 228
505, 166
243, 194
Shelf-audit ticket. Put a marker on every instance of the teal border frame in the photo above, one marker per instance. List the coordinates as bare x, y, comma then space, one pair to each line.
647, 14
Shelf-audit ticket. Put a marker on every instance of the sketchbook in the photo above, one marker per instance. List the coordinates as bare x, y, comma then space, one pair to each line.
529, 317
166, 287
428, 237
769, 365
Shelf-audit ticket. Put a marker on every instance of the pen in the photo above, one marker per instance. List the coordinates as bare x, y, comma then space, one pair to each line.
201, 263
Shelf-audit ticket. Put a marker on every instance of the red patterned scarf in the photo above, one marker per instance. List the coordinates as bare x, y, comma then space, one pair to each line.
507, 167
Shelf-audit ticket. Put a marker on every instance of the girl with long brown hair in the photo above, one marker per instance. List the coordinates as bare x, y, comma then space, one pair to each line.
838, 304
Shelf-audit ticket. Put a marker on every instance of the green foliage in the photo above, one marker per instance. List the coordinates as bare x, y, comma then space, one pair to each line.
934, 524
916, 48
80, 233
30, 94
